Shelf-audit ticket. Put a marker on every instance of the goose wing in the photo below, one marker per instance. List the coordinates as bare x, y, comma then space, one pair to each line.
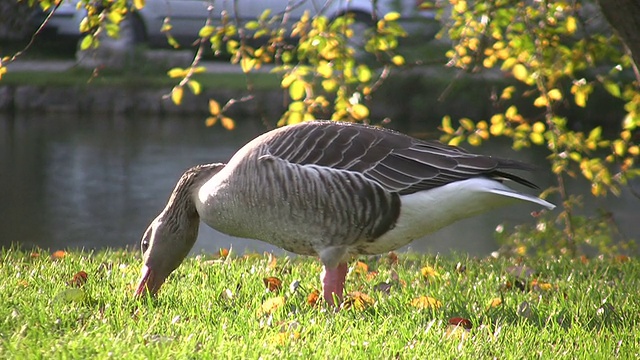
399, 163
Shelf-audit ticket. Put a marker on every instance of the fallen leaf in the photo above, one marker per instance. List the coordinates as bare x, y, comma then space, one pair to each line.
622, 258
313, 297
79, 279
461, 322
272, 283
383, 287
495, 302
223, 252
71, 295
426, 302
272, 261
360, 268
371, 275
34, 255
271, 305
357, 301
58, 255
23, 283
538, 285
392, 258
524, 310
429, 272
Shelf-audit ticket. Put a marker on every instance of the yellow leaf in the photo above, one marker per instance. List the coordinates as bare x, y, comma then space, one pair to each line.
429, 272
195, 87
507, 93
398, 60
495, 302
474, 139
392, 16
176, 95
325, 69
446, 125
359, 112
426, 302
206, 31
247, 64
271, 305
287, 80
297, 90
214, 107
329, 85
539, 127
139, 4
520, 72
357, 301
177, 73
228, 123
619, 147
554, 94
364, 73
540, 101
467, 124
211, 120
572, 24
536, 138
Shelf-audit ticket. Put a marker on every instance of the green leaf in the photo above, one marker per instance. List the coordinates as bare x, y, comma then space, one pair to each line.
252, 25
86, 42
612, 88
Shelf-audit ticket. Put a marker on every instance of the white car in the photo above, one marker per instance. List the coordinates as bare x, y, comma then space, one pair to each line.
188, 16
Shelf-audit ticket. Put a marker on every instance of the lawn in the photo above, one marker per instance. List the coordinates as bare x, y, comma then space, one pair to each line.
216, 307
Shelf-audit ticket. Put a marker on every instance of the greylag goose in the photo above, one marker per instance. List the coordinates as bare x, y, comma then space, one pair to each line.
330, 190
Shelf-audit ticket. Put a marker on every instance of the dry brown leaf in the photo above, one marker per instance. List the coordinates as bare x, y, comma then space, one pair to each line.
392, 258
272, 283
313, 297
360, 268
462, 322
58, 255
79, 279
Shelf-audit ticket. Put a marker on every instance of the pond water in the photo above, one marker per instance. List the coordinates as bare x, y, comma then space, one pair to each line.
92, 183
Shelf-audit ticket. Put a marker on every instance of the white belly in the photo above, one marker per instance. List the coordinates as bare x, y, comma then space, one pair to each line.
425, 212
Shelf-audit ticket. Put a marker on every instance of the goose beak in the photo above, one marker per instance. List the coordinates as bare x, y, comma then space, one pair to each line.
148, 282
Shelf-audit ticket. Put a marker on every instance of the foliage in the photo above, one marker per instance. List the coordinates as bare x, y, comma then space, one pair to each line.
548, 48
79, 305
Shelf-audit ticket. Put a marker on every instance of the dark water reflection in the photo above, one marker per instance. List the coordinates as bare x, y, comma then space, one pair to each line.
94, 183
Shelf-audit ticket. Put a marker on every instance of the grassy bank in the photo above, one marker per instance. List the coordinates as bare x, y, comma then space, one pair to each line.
220, 308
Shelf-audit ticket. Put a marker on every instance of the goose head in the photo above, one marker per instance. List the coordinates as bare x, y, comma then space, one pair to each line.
171, 235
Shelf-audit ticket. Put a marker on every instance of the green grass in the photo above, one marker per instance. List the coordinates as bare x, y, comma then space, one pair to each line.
589, 311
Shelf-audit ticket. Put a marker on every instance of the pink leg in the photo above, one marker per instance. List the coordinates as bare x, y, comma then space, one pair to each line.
333, 282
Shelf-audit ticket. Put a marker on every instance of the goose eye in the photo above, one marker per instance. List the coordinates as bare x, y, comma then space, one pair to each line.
144, 244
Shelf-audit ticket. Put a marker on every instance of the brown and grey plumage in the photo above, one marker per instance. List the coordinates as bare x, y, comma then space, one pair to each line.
331, 190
